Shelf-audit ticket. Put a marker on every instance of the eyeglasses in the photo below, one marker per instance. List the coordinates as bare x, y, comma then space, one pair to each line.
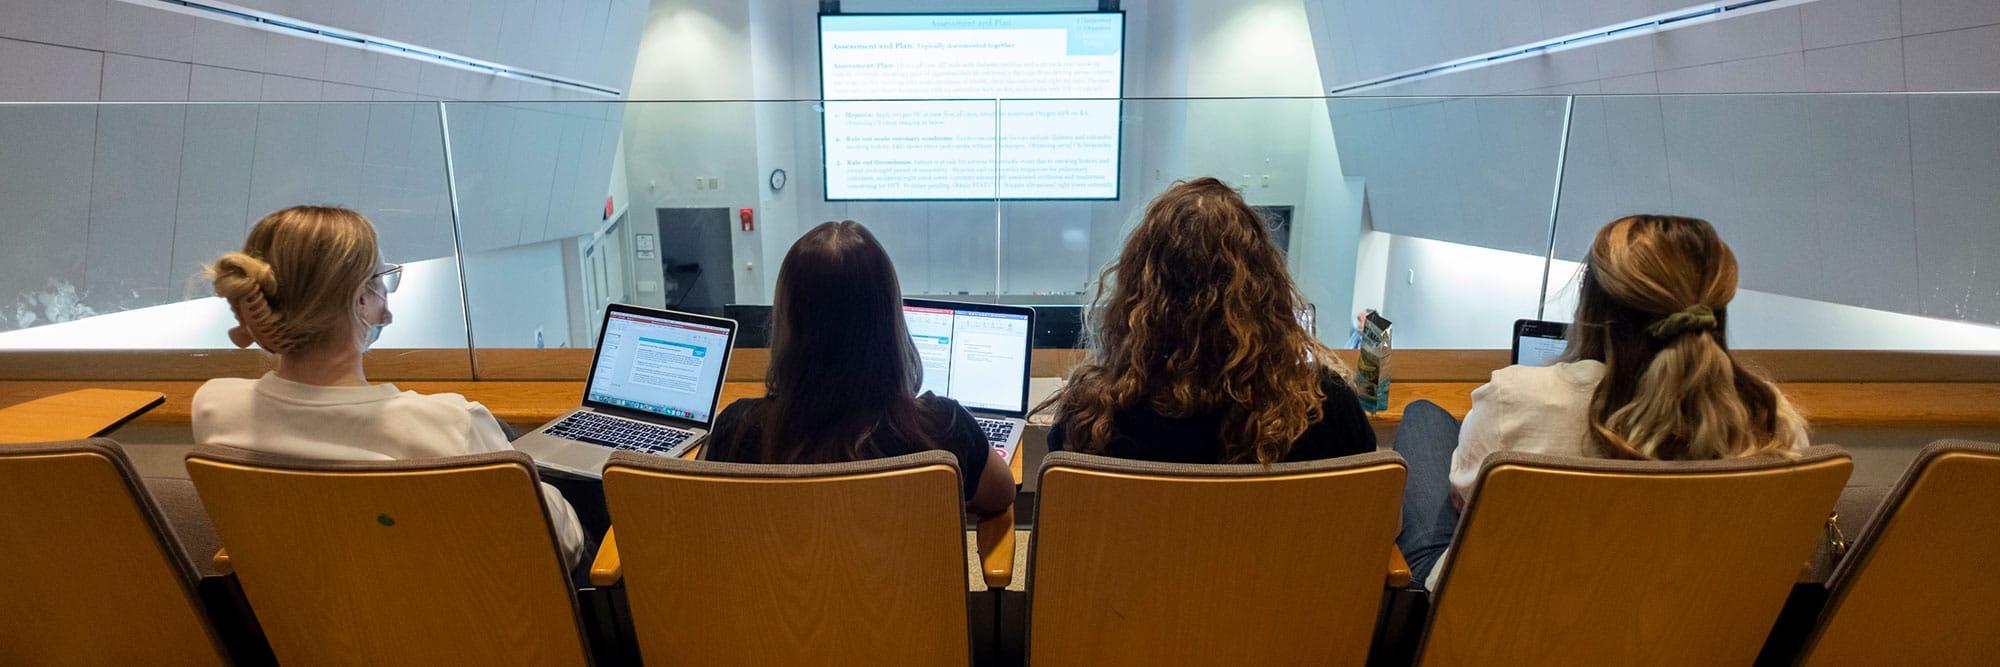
391, 275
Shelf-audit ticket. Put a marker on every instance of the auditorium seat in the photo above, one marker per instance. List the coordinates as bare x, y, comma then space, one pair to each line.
1144, 563
1586, 561
90, 571
844, 563
1920, 586
435, 561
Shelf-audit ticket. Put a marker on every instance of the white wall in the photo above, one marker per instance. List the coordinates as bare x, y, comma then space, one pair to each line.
119, 204
151, 50
1819, 45
692, 50
517, 291
123, 204
1048, 251
1877, 203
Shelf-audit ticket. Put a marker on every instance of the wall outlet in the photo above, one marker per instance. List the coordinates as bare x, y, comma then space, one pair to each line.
649, 286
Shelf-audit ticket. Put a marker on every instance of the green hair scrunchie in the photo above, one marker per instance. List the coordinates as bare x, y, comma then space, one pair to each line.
1691, 318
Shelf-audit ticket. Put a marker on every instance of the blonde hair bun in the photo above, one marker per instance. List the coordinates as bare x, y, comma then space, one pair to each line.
248, 284
295, 281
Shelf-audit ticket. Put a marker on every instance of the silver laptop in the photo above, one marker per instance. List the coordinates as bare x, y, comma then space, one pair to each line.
977, 354
653, 387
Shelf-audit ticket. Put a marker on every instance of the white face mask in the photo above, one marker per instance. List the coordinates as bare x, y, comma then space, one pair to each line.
372, 331
374, 334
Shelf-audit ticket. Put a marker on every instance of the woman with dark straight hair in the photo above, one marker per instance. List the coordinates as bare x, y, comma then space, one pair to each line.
844, 374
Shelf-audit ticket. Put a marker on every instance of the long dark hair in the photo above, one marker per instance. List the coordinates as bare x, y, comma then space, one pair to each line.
1653, 306
843, 369
1197, 317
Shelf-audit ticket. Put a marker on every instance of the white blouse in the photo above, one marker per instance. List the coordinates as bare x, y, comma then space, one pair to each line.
372, 423
1536, 409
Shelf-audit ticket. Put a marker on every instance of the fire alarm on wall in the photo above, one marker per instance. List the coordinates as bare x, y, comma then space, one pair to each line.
746, 221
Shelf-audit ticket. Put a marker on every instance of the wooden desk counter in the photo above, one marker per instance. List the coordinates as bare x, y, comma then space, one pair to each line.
533, 402
72, 415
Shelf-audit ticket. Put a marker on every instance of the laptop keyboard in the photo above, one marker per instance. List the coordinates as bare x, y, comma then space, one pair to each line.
997, 430
617, 433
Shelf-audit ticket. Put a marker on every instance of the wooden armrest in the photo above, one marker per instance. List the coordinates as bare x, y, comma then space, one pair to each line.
606, 569
996, 548
1399, 569
222, 563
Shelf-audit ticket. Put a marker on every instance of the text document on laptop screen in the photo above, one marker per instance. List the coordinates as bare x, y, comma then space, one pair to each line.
659, 366
1539, 351
976, 358
909, 105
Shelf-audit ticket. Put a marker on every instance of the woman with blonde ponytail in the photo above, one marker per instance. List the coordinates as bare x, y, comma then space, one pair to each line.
310, 287
1647, 376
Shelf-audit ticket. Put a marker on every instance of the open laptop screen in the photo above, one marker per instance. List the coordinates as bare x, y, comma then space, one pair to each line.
972, 353
1538, 343
659, 365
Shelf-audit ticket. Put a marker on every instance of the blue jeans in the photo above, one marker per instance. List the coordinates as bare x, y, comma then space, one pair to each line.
1426, 439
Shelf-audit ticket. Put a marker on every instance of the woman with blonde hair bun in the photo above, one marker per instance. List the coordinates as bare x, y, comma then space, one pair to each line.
310, 287
1648, 376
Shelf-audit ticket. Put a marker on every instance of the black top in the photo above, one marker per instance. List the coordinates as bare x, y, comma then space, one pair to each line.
738, 437
1139, 433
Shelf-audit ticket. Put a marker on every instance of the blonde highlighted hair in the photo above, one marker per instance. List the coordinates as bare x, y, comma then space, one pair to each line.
295, 282
1197, 316
1654, 307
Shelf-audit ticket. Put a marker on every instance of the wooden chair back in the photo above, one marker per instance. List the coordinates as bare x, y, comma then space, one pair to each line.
90, 572
838, 564
437, 561
1920, 588
1562, 561
1141, 563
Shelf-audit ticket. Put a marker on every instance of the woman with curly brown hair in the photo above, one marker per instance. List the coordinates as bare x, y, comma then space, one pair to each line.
1196, 354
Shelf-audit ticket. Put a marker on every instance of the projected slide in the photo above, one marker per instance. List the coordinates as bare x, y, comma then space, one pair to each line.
910, 110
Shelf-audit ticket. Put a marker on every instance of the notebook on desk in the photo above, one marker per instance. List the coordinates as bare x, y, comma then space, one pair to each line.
654, 382
977, 354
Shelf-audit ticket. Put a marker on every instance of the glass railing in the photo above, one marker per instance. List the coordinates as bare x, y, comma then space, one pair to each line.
1860, 221
109, 211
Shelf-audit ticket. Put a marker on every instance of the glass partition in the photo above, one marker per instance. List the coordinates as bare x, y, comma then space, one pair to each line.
109, 211
531, 183
1860, 221
1454, 198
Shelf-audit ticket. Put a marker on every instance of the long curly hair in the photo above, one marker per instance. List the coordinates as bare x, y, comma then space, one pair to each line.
1654, 307
1198, 317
